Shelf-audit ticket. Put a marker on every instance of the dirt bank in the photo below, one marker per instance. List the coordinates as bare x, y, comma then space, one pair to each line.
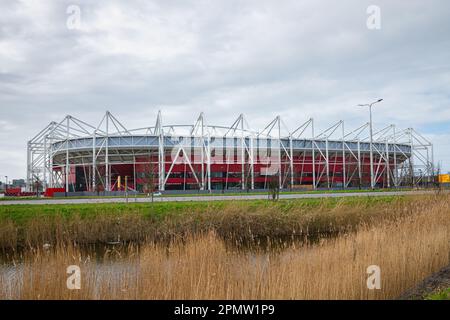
432, 284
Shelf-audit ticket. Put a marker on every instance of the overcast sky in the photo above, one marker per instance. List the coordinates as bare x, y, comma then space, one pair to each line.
298, 59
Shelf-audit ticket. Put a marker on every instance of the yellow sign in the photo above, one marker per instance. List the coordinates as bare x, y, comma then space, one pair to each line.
444, 178
119, 184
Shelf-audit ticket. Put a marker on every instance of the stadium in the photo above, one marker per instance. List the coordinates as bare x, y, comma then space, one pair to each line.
75, 156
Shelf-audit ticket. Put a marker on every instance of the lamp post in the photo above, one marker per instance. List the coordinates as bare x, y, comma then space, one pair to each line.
372, 180
6, 183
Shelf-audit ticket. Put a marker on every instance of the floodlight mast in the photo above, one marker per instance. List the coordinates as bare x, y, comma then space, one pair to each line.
372, 180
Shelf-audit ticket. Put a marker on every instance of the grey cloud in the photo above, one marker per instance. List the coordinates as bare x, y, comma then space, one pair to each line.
262, 58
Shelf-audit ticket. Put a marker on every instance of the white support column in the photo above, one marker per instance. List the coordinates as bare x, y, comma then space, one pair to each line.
411, 161
202, 160
279, 153
242, 158
29, 171
432, 161
395, 178
344, 170
161, 153
200, 123
252, 163
67, 170
44, 182
94, 167
388, 170
51, 166
161, 161
107, 169
134, 173
291, 163
208, 163
313, 155
202, 151
327, 162
359, 163
49, 155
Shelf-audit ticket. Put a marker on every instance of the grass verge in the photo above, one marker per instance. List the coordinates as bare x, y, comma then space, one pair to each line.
238, 222
441, 295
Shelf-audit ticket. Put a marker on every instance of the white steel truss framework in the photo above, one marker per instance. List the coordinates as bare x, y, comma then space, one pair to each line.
296, 158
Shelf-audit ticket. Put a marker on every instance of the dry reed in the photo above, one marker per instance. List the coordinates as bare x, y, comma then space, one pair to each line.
407, 249
235, 222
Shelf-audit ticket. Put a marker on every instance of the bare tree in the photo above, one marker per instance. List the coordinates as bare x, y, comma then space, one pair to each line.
149, 178
98, 184
37, 186
274, 187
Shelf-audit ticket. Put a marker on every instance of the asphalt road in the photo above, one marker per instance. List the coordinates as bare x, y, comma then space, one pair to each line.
213, 198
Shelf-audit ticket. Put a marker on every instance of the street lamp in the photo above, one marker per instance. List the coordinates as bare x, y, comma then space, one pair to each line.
372, 180
6, 183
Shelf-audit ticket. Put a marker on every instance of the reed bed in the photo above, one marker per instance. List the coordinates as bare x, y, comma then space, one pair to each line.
407, 246
239, 222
